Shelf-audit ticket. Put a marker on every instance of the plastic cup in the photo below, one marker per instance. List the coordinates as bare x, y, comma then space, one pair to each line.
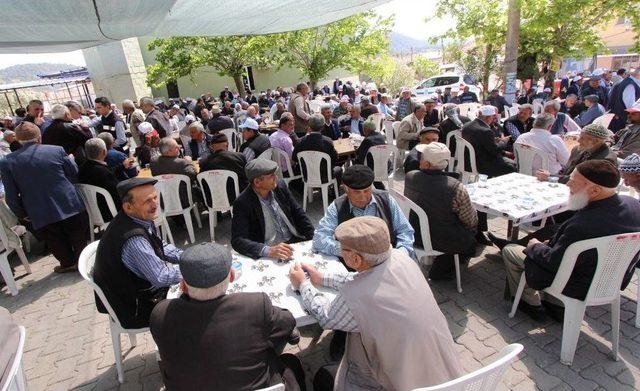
553, 181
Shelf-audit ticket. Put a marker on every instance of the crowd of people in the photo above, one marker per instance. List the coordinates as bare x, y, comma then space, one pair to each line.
210, 339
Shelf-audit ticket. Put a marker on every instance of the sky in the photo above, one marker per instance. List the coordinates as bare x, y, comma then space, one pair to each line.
410, 18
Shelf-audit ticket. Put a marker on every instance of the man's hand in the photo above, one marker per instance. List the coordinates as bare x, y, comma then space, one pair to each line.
502, 139
281, 251
188, 158
39, 120
542, 175
532, 242
314, 275
296, 275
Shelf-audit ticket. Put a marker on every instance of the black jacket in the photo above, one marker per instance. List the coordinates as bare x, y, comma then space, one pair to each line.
614, 215
315, 141
67, 135
489, 159
97, 174
375, 138
219, 122
226, 160
247, 225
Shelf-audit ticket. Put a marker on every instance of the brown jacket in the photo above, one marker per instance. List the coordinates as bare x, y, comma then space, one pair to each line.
299, 107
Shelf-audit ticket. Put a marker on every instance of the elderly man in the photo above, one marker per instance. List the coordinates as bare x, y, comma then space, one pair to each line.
255, 143
371, 138
572, 106
489, 149
331, 128
226, 95
627, 140
426, 136
594, 110
109, 122
210, 340
133, 117
8, 143
63, 132
410, 126
227, 109
115, 159
376, 307
198, 145
520, 123
553, 145
266, 217
169, 162
594, 88
592, 145
630, 170
315, 141
38, 188
498, 101
467, 96
432, 116
593, 195
299, 107
383, 107
157, 119
623, 96
453, 121
221, 158
281, 139
342, 109
563, 122
452, 218
405, 105
366, 107
352, 123
277, 110
218, 121
134, 266
361, 199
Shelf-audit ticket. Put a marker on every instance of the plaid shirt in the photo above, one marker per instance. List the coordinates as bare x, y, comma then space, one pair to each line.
461, 206
331, 315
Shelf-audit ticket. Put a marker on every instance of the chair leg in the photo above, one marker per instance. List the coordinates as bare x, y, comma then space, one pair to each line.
196, 212
26, 240
456, 260
638, 299
23, 259
133, 338
335, 188
7, 275
166, 231
325, 197
573, 315
212, 224
189, 224
117, 350
304, 198
91, 233
615, 326
516, 299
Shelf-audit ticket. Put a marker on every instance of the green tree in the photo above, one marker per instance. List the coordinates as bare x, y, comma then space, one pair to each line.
181, 56
479, 62
400, 76
352, 43
425, 67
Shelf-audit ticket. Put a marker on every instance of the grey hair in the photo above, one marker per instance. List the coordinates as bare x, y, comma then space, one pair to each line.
554, 103
419, 106
543, 121
107, 138
450, 106
375, 259
165, 144
325, 106
59, 111
526, 106
196, 125
145, 100
73, 105
128, 103
204, 294
571, 96
316, 122
94, 148
300, 86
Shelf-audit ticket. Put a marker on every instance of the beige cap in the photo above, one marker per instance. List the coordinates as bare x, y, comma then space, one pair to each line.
366, 234
434, 153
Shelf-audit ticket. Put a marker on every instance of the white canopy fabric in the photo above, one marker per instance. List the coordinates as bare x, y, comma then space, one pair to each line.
32, 26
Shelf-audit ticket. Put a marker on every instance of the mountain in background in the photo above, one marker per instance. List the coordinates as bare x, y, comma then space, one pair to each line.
27, 72
401, 43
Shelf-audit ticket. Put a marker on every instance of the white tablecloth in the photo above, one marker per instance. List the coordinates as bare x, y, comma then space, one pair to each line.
518, 197
269, 276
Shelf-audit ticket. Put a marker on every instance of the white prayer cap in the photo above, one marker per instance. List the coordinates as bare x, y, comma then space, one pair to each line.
145, 127
487, 110
577, 78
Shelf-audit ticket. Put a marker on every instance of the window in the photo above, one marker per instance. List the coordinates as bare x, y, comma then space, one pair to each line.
440, 81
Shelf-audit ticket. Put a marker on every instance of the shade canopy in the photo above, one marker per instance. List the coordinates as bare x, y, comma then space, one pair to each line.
38, 26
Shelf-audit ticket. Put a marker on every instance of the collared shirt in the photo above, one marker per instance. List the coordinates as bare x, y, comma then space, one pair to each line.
331, 315
121, 136
197, 149
384, 109
629, 93
139, 257
282, 141
276, 229
355, 128
628, 141
551, 144
324, 242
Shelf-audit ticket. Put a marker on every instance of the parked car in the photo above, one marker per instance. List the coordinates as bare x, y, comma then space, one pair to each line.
428, 87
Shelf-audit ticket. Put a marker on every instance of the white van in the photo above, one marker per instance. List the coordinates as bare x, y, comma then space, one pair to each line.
428, 87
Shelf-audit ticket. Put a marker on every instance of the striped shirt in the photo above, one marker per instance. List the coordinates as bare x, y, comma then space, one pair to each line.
331, 315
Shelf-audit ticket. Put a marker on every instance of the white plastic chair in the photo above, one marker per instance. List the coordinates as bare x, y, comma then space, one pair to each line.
513, 110
604, 120
278, 156
311, 160
388, 131
216, 181
277, 387
314, 106
615, 254
526, 155
268, 154
538, 106
407, 206
85, 267
469, 109
16, 380
377, 119
461, 146
637, 273
233, 137
89, 195
395, 127
168, 188
484, 379
5, 268
381, 156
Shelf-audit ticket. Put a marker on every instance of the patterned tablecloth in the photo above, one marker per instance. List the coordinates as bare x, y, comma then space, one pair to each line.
272, 277
518, 197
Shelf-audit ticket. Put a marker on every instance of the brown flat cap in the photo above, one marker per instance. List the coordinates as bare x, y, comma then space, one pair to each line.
367, 234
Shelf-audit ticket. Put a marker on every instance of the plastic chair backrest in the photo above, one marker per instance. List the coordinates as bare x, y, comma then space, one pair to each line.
216, 181
407, 206
277, 387
615, 253
268, 154
377, 119
388, 131
168, 188
538, 106
232, 136
15, 376
451, 135
89, 195
526, 155
513, 110
312, 162
461, 146
486, 378
604, 119
395, 126
469, 109
381, 155
85, 267
314, 106
281, 156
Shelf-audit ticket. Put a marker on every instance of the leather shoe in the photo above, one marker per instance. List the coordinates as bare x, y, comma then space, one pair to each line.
481, 239
67, 269
500, 243
556, 312
535, 312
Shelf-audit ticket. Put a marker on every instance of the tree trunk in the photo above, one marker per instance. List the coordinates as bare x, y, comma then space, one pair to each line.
486, 70
237, 79
312, 84
511, 51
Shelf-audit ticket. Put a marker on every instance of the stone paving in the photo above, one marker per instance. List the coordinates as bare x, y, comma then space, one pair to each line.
69, 346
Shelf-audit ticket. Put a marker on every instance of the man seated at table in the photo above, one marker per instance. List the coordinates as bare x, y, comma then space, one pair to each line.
432, 116
361, 199
551, 144
221, 158
627, 140
115, 159
489, 149
592, 145
315, 141
281, 139
198, 145
266, 217
133, 264
377, 307
367, 108
254, 142
331, 128
563, 122
599, 212
630, 170
352, 123
453, 121
594, 110
219, 121
452, 219
371, 138
342, 108
520, 123
210, 340
426, 136
169, 162
409, 128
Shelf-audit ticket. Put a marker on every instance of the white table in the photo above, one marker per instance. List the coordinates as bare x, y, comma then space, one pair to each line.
519, 198
269, 276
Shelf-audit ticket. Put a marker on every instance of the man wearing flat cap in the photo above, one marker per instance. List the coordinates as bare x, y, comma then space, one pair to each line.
221, 158
630, 171
361, 199
134, 266
599, 212
210, 340
432, 116
398, 338
426, 136
266, 217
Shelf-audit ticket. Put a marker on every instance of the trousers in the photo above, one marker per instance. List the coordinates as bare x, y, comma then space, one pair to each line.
67, 238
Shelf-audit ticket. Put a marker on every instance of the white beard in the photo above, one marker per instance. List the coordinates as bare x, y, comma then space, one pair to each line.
578, 201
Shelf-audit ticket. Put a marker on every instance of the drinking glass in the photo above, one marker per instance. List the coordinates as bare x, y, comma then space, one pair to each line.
553, 181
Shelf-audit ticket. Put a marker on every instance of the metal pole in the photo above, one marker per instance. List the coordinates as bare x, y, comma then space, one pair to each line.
17, 97
79, 93
511, 51
68, 90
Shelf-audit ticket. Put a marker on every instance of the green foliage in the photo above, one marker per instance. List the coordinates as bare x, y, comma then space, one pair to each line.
381, 68
400, 75
425, 68
479, 61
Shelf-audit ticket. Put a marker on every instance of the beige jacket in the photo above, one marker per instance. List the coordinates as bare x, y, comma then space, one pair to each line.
136, 118
299, 107
408, 131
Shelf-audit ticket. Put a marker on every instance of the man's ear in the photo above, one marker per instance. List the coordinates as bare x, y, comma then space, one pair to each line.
183, 287
232, 275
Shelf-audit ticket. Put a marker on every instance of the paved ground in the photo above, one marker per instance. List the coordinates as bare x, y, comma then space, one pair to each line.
68, 344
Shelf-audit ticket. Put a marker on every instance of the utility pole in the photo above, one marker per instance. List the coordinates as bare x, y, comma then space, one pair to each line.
511, 50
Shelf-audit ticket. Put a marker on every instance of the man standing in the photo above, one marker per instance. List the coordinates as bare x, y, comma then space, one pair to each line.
254, 142
405, 105
218, 121
157, 119
468, 96
65, 133
520, 123
594, 88
299, 107
498, 101
392, 344
109, 122
627, 140
226, 95
35, 114
553, 145
133, 117
38, 187
623, 96
410, 126
221, 158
